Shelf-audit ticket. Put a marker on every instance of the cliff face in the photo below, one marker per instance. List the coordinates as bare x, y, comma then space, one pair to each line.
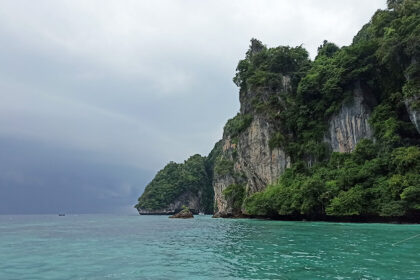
257, 165
413, 112
351, 123
412, 92
222, 179
260, 164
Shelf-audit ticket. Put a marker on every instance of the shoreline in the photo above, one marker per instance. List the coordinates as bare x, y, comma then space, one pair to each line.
304, 218
412, 219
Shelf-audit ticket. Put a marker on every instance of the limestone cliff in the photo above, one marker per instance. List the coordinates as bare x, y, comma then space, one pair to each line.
351, 123
223, 179
256, 165
260, 164
412, 93
411, 104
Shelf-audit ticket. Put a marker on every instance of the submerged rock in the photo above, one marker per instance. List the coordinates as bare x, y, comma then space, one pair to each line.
184, 214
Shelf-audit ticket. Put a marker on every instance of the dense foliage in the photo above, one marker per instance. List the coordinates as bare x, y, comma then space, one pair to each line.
237, 125
234, 195
176, 179
365, 182
223, 166
378, 178
213, 156
265, 67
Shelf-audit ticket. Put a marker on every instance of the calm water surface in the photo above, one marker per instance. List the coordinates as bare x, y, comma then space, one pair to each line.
155, 247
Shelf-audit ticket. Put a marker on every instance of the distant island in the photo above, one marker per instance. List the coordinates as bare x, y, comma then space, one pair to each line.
336, 138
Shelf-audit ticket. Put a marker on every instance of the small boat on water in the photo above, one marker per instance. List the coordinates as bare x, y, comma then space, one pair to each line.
200, 213
61, 214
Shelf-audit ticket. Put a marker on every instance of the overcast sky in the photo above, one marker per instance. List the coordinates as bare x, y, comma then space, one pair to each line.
97, 96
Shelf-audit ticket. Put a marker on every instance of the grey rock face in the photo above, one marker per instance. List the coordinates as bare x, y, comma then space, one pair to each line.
219, 184
255, 164
413, 113
222, 181
350, 124
260, 164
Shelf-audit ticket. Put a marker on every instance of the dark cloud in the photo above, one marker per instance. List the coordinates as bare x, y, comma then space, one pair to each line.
40, 178
96, 96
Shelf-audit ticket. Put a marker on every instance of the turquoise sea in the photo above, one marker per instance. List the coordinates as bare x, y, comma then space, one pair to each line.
155, 247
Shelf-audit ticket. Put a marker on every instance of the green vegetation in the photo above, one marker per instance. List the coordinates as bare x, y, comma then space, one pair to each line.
378, 178
223, 166
234, 195
277, 140
213, 156
176, 179
365, 182
265, 67
237, 125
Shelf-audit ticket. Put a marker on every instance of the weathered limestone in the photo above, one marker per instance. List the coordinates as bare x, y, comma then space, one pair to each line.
413, 112
351, 123
260, 164
222, 181
255, 164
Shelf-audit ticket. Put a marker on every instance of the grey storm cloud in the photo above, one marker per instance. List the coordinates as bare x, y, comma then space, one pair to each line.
110, 91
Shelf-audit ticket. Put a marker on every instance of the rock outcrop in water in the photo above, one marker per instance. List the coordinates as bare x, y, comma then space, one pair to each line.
183, 214
336, 137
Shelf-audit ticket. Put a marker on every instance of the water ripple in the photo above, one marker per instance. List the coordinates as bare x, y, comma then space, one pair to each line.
153, 247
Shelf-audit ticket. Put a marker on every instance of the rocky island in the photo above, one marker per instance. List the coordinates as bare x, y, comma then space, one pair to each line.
334, 138
183, 214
